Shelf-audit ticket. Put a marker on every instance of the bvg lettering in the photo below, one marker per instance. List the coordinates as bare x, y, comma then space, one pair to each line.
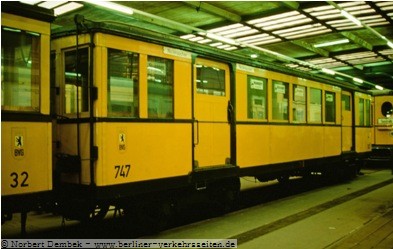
19, 152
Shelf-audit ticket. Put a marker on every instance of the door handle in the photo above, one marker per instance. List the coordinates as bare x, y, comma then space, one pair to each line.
230, 112
197, 133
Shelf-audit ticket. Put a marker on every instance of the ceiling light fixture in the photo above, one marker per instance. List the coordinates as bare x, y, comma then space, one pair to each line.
360, 81
328, 71
378, 87
67, 8
51, 4
351, 18
221, 39
112, 6
326, 44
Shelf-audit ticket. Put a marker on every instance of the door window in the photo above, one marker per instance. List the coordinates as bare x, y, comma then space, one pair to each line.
210, 80
76, 72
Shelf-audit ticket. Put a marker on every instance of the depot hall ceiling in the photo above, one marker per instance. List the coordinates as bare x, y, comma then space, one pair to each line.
351, 38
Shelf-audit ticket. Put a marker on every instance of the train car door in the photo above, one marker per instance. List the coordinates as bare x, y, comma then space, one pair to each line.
212, 109
347, 122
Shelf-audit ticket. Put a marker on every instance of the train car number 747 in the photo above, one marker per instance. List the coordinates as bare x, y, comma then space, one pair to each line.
122, 170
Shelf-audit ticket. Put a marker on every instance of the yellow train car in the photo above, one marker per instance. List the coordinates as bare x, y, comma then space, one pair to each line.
26, 124
382, 147
288, 125
132, 124
146, 120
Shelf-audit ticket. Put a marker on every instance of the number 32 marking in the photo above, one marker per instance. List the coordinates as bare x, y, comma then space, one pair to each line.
15, 179
122, 170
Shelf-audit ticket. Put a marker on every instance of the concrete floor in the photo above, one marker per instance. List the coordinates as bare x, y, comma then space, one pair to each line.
323, 218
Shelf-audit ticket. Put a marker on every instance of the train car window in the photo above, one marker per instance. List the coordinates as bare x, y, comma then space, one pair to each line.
76, 68
20, 70
368, 113
387, 109
346, 102
256, 97
299, 103
160, 87
280, 100
330, 106
361, 112
123, 83
210, 80
315, 105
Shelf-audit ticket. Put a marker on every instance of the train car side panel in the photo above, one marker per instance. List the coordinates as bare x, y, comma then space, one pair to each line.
132, 152
26, 157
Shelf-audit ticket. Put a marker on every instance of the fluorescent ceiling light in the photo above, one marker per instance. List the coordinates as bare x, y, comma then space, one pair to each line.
325, 44
222, 39
30, 2
328, 71
378, 87
351, 18
51, 4
390, 44
113, 6
67, 8
358, 80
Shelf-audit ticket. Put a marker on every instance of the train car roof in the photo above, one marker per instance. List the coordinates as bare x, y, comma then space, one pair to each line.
33, 12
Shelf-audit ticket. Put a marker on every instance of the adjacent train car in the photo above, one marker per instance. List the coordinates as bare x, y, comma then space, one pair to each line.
144, 121
382, 148
26, 125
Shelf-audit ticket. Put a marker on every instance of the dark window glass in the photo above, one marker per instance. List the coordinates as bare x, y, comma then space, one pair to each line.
361, 112
330, 107
76, 70
210, 80
368, 113
346, 102
160, 87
